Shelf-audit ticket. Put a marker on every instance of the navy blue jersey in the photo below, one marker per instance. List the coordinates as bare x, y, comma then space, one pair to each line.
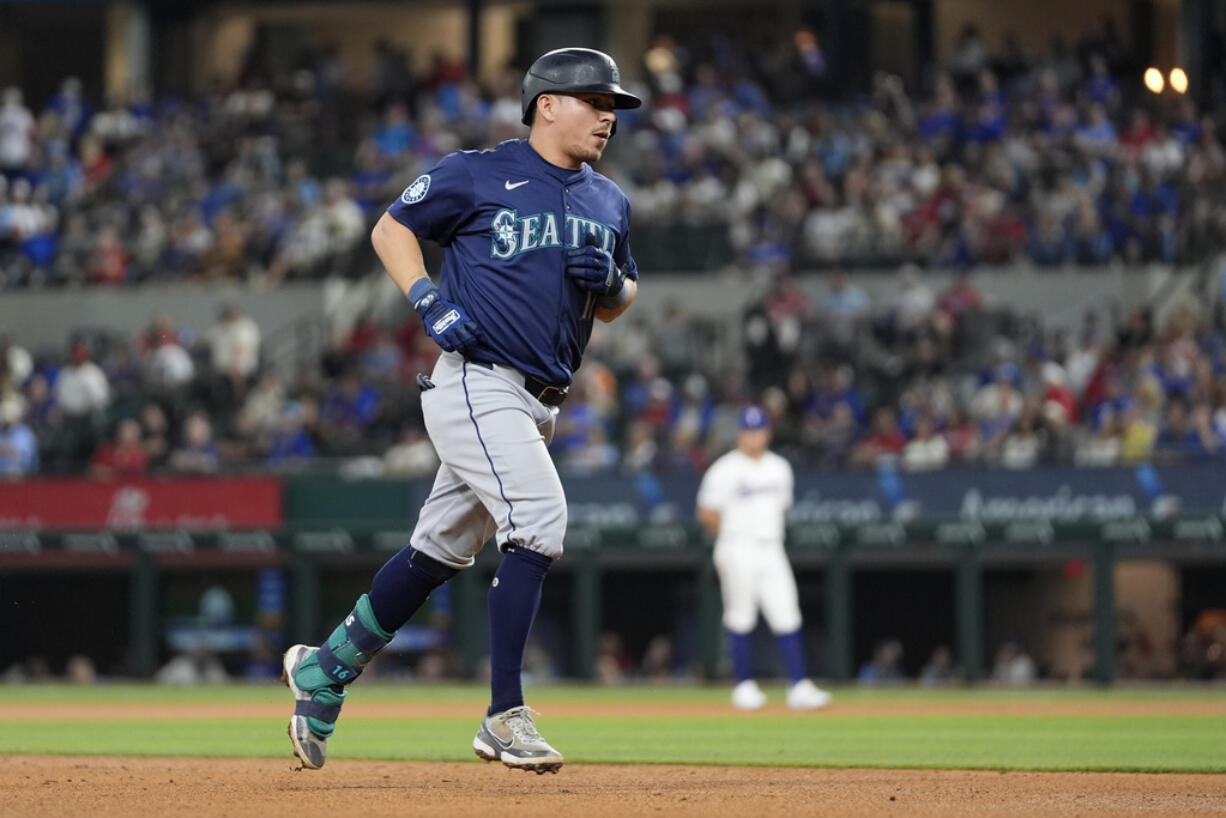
506, 218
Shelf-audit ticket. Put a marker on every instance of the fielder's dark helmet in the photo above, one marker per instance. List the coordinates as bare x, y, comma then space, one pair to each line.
574, 70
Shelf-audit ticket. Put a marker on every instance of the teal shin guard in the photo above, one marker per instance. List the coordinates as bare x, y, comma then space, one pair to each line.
339, 661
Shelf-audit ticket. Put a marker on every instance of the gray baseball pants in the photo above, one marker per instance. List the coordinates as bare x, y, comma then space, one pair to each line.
496, 475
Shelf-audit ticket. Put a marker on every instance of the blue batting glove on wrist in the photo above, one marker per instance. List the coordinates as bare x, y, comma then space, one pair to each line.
446, 323
592, 268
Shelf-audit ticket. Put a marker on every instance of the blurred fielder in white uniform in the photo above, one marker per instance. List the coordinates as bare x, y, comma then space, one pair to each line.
742, 501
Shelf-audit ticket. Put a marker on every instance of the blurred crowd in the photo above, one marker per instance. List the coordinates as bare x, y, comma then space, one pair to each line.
172, 401
760, 152
1009, 156
218, 188
931, 378
1055, 159
928, 378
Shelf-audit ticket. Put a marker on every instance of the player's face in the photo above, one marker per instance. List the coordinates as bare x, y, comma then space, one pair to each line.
753, 442
585, 124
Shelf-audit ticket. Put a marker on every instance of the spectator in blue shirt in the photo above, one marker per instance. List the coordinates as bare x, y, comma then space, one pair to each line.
18, 448
349, 409
198, 453
1186, 434
371, 176
395, 136
1100, 86
292, 443
1097, 134
74, 112
1187, 129
1048, 245
834, 386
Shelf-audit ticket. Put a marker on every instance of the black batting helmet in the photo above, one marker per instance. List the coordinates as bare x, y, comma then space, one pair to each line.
574, 70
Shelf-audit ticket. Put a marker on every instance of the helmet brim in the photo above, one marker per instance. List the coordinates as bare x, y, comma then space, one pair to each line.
622, 99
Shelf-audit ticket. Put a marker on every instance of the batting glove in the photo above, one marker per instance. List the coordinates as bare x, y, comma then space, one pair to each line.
592, 268
446, 323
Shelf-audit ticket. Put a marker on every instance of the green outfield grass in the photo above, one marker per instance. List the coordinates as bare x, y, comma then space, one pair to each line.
1135, 743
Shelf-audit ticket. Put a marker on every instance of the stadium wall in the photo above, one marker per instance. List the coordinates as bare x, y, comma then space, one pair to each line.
1033, 22
1085, 568
231, 30
47, 318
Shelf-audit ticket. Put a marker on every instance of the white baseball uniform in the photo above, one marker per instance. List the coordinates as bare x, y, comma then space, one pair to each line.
752, 498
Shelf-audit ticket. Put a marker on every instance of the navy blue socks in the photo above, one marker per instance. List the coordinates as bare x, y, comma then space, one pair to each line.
740, 650
403, 584
407, 579
793, 649
515, 596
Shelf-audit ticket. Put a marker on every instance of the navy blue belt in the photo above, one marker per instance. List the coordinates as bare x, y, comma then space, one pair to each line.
547, 393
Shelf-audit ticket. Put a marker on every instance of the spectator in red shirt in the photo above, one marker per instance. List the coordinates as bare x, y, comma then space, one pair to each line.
961, 296
962, 435
124, 456
362, 336
108, 264
883, 444
1059, 405
1138, 134
96, 164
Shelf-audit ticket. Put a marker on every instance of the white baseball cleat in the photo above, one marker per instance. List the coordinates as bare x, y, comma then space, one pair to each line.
748, 696
804, 695
511, 737
312, 750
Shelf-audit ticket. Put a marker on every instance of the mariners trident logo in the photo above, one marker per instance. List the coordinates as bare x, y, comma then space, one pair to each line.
513, 234
415, 192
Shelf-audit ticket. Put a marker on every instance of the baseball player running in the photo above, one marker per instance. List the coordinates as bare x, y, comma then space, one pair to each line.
742, 500
536, 246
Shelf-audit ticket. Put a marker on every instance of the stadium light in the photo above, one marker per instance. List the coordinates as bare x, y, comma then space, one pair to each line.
1179, 81
1153, 80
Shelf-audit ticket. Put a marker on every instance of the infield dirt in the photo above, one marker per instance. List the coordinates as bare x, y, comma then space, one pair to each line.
103, 787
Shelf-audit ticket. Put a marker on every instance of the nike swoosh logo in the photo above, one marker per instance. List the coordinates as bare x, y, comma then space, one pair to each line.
510, 186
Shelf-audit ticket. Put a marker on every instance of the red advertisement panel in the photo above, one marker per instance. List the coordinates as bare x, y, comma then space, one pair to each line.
127, 505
